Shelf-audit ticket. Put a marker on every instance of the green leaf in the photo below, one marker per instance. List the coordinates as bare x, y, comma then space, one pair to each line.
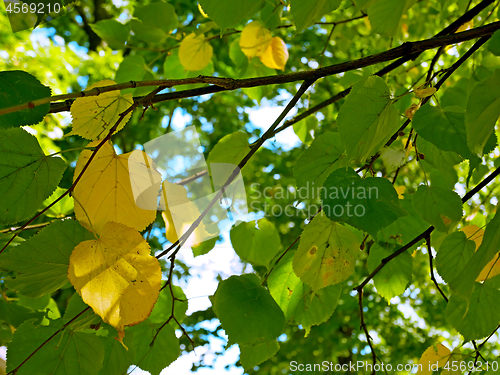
231, 149
27, 175
71, 353
114, 33
159, 14
405, 228
464, 283
132, 68
163, 307
79, 321
146, 33
367, 119
270, 14
247, 311
494, 43
479, 317
327, 253
18, 87
453, 255
368, 204
392, 280
304, 128
318, 161
437, 206
62, 208
42, 261
227, 13
439, 159
305, 13
205, 247
117, 359
251, 356
15, 315
385, 15
162, 353
483, 110
297, 300
256, 242
443, 127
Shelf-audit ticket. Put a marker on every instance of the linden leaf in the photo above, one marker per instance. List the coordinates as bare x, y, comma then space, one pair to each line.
435, 353
104, 193
116, 275
424, 93
474, 233
195, 52
180, 212
327, 253
94, 116
276, 54
255, 39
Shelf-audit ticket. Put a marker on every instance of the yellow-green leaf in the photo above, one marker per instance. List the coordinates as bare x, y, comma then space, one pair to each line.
116, 275
327, 253
254, 39
195, 52
105, 193
94, 116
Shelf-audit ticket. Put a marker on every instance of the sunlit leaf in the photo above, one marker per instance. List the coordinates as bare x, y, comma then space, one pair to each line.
116, 275
195, 52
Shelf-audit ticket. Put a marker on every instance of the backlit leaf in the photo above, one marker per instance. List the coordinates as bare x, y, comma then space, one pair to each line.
385, 15
305, 13
453, 255
116, 275
255, 39
74, 353
368, 204
105, 193
163, 351
392, 280
18, 87
483, 110
195, 52
94, 116
247, 311
325, 154
435, 353
327, 253
297, 300
42, 261
27, 175
114, 33
479, 316
256, 242
252, 356
367, 119
276, 54
437, 206
226, 15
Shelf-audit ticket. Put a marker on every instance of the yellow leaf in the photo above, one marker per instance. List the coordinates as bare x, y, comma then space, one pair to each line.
424, 93
94, 116
400, 190
180, 212
474, 233
255, 39
410, 112
276, 54
466, 26
116, 275
202, 11
104, 193
195, 52
434, 354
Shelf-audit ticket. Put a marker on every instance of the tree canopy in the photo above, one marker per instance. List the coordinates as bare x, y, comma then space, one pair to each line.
135, 139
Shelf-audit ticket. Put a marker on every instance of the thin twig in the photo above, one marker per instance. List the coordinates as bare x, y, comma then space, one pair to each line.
431, 266
365, 329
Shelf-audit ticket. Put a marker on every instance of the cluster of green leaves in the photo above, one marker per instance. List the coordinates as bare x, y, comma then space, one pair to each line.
371, 206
